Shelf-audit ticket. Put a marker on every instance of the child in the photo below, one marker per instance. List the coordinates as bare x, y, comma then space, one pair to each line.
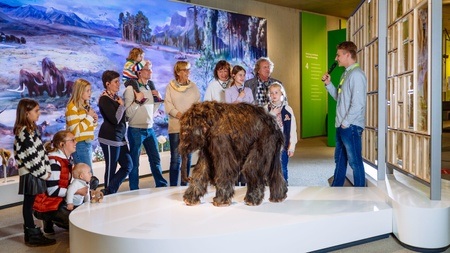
135, 62
237, 92
81, 177
34, 167
286, 121
130, 73
81, 120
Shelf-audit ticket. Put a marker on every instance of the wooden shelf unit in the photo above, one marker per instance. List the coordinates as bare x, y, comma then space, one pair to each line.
407, 91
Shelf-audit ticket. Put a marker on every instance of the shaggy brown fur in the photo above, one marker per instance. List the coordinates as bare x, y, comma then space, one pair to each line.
232, 138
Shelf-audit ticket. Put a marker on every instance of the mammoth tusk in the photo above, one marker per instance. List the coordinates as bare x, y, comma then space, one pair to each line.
17, 89
38, 83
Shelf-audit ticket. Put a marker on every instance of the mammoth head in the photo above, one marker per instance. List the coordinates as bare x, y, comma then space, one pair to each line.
195, 125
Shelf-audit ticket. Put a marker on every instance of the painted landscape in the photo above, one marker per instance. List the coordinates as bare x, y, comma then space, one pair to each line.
46, 45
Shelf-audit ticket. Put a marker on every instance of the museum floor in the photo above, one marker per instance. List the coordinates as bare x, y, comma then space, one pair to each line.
312, 165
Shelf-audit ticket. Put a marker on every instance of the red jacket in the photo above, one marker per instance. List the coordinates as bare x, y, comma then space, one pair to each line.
43, 202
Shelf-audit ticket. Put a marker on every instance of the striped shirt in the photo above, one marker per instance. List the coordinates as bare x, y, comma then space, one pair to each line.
79, 123
129, 70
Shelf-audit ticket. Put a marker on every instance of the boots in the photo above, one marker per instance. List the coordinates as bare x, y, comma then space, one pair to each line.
93, 184
48, 227
35, 238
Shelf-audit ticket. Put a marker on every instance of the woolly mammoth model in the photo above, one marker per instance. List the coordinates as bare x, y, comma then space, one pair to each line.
231, 138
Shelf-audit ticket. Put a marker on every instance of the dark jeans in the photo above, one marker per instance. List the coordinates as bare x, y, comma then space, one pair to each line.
59, 217
284, 164
349, 150
175, 160
114, 155
138, 137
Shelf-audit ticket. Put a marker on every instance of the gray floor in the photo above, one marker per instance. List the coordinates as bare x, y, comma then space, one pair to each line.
312, 165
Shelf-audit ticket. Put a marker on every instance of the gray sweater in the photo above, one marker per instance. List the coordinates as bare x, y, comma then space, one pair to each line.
139, 116
351, 101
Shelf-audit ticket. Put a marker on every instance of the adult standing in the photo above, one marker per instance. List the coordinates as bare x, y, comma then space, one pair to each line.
181, 94
350, 115
50, 207
140, 127
112, 133
216, 88
260, 83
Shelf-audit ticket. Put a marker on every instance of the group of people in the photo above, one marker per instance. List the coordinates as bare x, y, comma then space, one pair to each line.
229, 86
46, 171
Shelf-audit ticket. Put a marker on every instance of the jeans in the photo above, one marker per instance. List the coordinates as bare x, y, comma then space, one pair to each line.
175, 160
114, 155
348, 149
138, 137
83, 154
284, 164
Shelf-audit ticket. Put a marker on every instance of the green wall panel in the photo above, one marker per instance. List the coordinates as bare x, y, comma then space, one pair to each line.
313, 65
334, 38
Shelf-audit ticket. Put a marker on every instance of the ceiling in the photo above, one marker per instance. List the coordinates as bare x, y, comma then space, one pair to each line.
341, 8
337, 8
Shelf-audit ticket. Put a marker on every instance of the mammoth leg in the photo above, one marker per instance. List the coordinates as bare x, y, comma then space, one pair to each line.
226, 168
253, 170
198, 182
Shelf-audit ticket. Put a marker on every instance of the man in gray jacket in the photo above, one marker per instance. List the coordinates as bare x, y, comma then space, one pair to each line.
350, 115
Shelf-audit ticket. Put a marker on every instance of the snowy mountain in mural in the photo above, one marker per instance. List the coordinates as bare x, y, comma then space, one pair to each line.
84, 38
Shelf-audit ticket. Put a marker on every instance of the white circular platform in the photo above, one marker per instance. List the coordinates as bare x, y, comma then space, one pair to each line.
157, 220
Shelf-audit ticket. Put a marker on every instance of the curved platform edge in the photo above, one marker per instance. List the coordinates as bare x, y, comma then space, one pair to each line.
418, 222
156, 220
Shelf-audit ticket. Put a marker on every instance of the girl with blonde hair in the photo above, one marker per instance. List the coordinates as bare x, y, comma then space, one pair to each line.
81, 120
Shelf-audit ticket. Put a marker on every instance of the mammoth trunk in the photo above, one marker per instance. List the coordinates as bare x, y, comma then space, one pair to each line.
184, 176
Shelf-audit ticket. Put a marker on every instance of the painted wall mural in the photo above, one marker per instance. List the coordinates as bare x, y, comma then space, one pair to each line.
45, 45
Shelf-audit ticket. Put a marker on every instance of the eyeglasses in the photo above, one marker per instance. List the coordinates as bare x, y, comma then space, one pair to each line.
72, 140
187, 70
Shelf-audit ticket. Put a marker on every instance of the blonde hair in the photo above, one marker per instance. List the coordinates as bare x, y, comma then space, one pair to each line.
79, 168
280, 86
79, 86
180, 65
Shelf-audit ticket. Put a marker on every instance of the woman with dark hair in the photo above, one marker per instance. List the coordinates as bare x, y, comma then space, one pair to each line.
216, 88
112, 133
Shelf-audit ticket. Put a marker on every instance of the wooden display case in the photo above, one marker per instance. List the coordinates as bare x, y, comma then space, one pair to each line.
407, 91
